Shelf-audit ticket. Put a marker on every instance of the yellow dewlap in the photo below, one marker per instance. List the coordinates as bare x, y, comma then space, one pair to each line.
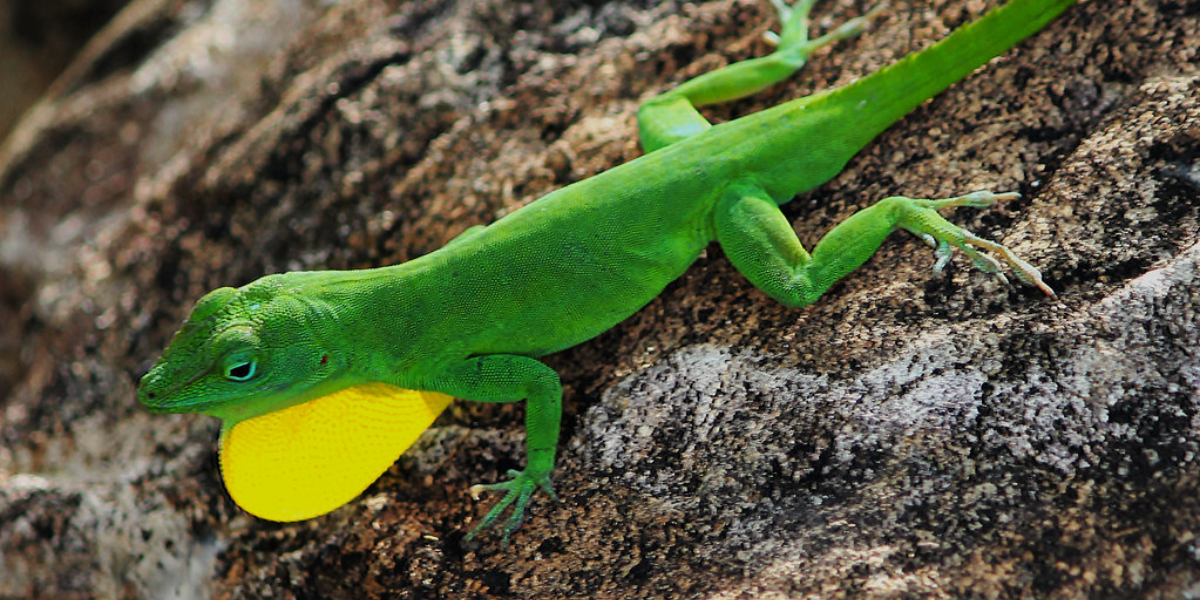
311, 458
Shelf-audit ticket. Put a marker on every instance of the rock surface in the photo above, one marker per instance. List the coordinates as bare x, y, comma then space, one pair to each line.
907, 436
37, 40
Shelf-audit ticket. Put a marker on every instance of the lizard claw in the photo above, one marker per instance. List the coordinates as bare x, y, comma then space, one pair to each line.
1023, 270
942, 250
520, 488
944, 237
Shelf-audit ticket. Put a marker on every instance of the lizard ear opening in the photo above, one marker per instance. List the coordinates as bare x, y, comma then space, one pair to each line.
309, 459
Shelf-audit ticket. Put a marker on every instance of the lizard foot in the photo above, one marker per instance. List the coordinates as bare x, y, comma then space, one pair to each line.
520, 488
920, 217
794, 21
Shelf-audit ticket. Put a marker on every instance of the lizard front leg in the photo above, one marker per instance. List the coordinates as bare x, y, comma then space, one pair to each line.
509, 378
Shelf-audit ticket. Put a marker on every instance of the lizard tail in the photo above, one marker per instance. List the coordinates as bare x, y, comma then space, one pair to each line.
885, 96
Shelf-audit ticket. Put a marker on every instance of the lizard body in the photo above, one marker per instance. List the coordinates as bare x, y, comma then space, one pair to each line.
296, 353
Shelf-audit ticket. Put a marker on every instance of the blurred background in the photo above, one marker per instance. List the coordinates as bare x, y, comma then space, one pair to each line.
37, 39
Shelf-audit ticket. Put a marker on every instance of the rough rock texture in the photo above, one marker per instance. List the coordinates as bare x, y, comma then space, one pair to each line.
908, 436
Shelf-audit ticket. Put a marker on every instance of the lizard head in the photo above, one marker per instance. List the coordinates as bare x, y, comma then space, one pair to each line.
241, 352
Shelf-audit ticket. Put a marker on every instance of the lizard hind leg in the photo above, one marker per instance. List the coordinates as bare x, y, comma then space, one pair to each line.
793, 37
761, 244
672, 115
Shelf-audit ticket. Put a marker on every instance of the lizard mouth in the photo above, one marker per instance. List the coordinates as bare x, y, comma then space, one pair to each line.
160, 398
159, 394
167, 400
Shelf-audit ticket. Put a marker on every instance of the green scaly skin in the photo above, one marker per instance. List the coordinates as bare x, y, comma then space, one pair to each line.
470, 319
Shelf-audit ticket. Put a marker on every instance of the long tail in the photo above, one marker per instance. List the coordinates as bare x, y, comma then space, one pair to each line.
846, 119
919, 76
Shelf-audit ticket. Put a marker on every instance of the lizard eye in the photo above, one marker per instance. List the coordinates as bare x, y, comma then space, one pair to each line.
241, 370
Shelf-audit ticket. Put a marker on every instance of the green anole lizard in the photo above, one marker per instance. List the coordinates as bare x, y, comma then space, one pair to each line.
322, 379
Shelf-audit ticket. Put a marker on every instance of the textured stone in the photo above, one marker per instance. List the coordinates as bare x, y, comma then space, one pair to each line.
909, 435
